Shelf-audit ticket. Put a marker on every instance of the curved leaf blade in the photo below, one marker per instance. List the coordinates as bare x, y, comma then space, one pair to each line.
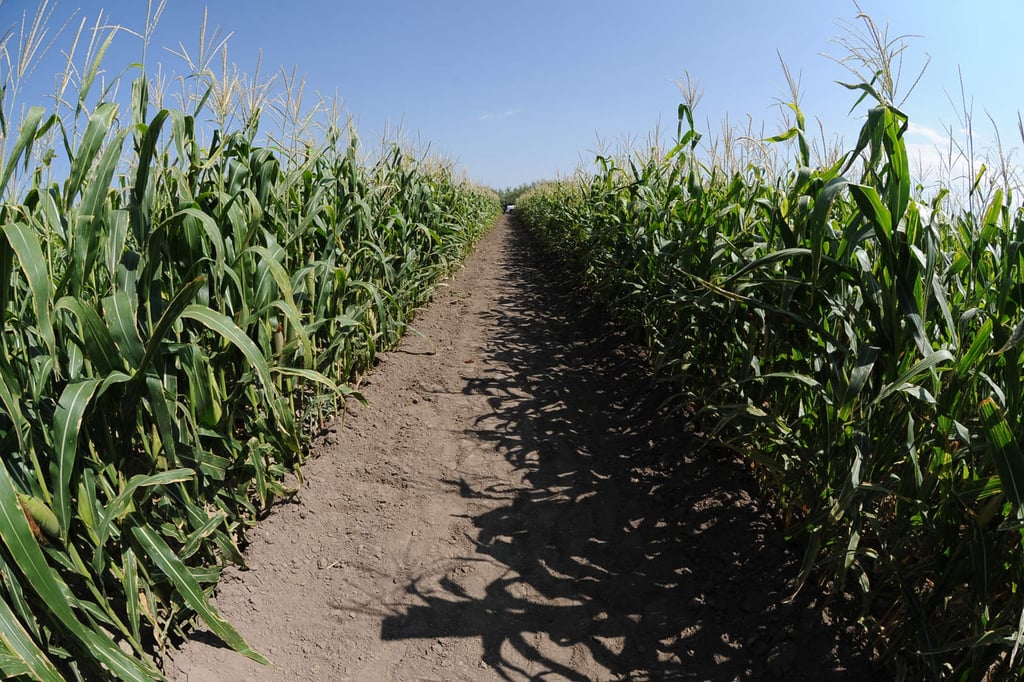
189, 589
67, 423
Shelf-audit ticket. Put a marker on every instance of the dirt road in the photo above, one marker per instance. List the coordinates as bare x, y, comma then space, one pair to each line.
513, 506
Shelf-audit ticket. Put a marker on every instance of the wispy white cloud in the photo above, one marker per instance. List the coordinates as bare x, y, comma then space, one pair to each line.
932, 162
934, 157
499, 115
934, 136
939, 160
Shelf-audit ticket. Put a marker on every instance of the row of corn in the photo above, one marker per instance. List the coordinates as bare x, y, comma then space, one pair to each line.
177, 314
858, 343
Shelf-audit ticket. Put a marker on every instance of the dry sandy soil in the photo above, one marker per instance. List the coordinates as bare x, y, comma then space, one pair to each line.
514, 505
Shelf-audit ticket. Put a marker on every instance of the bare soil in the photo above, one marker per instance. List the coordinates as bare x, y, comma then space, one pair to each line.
514, 504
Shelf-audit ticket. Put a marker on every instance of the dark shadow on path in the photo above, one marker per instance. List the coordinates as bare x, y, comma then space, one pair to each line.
655, 561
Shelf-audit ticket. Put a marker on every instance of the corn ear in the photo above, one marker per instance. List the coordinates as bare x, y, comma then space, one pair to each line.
40, 517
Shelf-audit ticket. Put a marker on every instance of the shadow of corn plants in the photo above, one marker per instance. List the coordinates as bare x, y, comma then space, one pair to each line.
630, 543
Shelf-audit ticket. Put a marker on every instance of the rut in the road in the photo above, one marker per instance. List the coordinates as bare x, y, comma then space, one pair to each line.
514, 505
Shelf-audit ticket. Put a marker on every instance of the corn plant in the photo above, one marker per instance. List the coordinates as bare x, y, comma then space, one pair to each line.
181, 309
869, 368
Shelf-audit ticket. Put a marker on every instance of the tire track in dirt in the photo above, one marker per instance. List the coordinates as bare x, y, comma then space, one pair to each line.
514, 505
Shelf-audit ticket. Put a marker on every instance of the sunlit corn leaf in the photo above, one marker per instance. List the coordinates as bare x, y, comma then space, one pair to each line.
67, 423
29, 132
22, 657
188, 588
25, 243
1005, 452
18, 538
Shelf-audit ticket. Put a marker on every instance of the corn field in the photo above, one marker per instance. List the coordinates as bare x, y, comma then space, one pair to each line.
179, 314
858, 344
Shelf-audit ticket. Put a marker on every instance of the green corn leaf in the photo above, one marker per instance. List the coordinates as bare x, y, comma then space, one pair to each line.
162, 407
67, 424
210, 228
25, 551
93, 67
977, 178
811, 554
873, 209
131, 591
202, 387
1014, 340
114, 244
896, 123
811, 382
1005, 452
12, 666
782, 137
97, 341
122, 504
982, 342
1018, 639
10, 398
912, 314
309, 375
862, 372
259, 466
188, 587
163, 326
200, 534
294, 316
991, 221
142, 192
974, 491
276, 271
25, 243
89, 503
905, 382
769, 259
17, 602
92, 139
222, 325
90, 221
95, 196
30, 131
120, 314
938, 292
6, 273
25, 658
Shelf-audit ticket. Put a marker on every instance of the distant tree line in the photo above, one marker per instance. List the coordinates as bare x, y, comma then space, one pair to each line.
510, 194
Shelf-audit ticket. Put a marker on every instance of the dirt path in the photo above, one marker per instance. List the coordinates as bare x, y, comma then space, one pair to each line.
511, 506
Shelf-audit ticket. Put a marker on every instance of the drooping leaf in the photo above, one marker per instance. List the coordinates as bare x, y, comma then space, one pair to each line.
67, 423
190, 591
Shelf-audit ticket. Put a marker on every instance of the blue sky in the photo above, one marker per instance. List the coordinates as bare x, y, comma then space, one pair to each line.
521, 91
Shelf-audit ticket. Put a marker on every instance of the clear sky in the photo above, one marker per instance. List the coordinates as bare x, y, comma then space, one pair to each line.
527, 90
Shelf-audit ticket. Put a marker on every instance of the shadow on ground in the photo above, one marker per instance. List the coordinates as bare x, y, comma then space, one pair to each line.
627, 545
